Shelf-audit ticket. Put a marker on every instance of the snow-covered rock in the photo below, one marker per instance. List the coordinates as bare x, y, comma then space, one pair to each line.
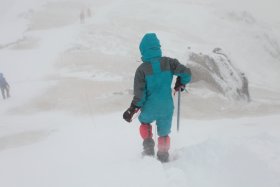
219, 74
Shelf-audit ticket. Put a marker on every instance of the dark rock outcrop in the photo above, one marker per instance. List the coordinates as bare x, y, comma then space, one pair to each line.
219, 74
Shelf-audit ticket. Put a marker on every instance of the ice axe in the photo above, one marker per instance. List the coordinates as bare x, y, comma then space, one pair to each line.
178, 109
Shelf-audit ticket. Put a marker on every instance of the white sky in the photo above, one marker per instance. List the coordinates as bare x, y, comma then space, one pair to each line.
266, 9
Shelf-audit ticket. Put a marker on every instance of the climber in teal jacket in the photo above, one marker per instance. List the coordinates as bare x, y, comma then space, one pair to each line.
153, 94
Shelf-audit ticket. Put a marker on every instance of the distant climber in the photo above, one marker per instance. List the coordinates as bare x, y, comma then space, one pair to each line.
82, 17
245, 87
88, 12
4, 86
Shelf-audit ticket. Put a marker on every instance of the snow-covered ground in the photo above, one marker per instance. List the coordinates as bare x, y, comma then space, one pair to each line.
55, 149
70, 83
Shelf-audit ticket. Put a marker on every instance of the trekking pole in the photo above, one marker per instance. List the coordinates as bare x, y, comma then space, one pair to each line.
178, 110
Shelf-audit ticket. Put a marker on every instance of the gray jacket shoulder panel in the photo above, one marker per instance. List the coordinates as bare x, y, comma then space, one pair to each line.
175, 66
165, 64
140, 83
145, 68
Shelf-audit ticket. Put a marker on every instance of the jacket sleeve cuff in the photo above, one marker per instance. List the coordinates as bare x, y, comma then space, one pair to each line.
134, 106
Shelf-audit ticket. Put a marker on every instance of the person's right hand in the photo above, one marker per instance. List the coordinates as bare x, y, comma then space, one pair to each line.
178, 85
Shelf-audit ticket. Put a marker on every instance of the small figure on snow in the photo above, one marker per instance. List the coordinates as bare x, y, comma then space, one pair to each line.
88, 12
245, 86
82, 17
153, 95
4, 86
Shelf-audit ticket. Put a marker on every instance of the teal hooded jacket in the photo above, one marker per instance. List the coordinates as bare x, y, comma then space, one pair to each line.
152, 84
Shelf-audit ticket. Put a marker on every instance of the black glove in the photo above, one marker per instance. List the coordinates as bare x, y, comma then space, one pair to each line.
128, 114
179, 85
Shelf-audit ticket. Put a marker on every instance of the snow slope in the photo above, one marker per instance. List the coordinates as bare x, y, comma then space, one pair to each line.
70, 83
95, 151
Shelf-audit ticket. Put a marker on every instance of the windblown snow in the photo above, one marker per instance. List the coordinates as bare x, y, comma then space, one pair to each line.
71, 82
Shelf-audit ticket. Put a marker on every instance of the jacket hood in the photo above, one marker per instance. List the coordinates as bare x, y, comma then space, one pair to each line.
150, 47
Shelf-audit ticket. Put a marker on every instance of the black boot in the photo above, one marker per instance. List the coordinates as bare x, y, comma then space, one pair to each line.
163, 156
149, 147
